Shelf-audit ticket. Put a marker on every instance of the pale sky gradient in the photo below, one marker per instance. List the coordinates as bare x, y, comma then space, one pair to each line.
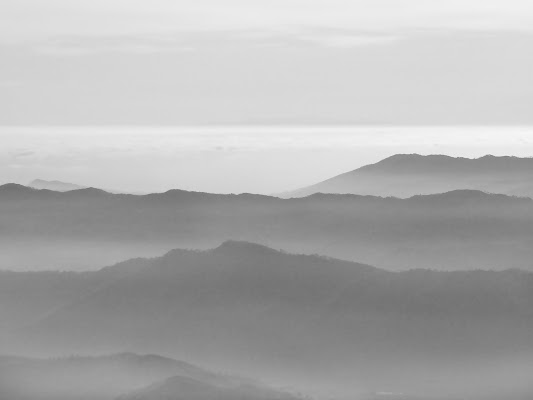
21, 19
198, 62
231, 159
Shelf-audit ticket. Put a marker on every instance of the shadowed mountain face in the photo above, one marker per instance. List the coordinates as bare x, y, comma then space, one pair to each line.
100, 378
406, 175
89, 228
28, 296
345, 327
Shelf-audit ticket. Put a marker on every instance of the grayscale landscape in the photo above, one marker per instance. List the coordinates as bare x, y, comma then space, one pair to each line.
406, 175
87, 228
266, 200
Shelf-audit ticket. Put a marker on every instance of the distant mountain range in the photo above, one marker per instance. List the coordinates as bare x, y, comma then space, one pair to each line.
57, 186
90, 228
406, 175
423, 288
122, 376
248, 308
185, 388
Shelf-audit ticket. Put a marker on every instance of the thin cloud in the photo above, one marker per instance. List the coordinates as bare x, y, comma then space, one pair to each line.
347, 39
80, 45
180, 42
23, 19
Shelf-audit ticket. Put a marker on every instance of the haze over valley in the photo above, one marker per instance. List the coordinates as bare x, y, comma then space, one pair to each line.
266, 200
403, 292
295, 320
464, 228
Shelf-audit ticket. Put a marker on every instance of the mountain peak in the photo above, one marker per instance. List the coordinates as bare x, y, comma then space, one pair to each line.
14, 190
406, 175
88, 192
57, 186
437, 161
443, 163
244, 247
402, 156
43, 181
413, 162
14, 187
416, 156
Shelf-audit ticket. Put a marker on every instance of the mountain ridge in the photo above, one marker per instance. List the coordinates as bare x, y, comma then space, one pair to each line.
90, 228
278, 311
405, 175
13, 189
55, 185
102, 377
184, 388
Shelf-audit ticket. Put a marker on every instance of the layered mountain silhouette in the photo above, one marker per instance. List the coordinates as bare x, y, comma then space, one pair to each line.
90, 228
185, 388
57, 186
423, 289
124, 375
406, 175
344, 326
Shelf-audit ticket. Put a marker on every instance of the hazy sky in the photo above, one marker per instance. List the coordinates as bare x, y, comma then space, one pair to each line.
248, 63
231, 159
176, 62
